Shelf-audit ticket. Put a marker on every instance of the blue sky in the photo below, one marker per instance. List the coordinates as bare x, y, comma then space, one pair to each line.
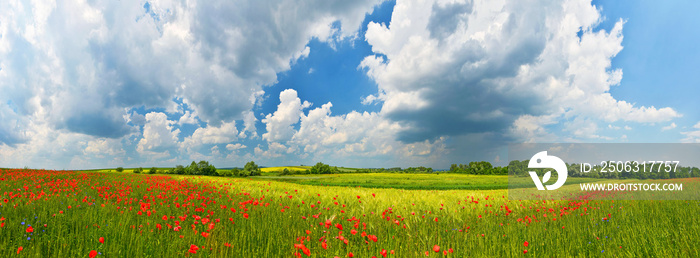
349, 83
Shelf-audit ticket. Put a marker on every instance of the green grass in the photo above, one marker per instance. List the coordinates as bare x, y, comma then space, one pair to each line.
473, 223
435, 181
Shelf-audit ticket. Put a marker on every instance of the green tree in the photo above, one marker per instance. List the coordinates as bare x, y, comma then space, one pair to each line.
138, 170
251, 169
192, 169
120, 169
285, 172
320, 168
153, 170
180, 170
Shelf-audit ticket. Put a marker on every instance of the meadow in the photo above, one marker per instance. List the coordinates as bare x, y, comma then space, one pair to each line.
418, 181
108, 214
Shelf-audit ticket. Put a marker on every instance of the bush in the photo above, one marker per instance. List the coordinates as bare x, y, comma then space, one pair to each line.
120, 169
138, 170
285, 172
153, 170
226, 173
180, 170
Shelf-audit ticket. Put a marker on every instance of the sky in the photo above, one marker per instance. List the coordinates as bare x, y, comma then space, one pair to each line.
369, 83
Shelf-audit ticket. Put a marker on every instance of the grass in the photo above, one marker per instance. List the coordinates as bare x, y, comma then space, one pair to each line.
271, 217
435, 181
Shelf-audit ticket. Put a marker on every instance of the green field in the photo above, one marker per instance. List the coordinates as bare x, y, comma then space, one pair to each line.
137, 215
434, 181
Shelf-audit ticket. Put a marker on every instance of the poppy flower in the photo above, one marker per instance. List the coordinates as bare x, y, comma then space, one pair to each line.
92, 254
524, 251
526, 244
19, 249
165, 217
193, 249
102, 240
30, 229
372, 237
436, 248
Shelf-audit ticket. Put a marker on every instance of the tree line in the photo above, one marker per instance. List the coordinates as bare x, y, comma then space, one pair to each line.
203, 168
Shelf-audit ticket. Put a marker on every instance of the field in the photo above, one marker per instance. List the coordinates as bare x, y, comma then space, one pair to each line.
435, 181
109, 214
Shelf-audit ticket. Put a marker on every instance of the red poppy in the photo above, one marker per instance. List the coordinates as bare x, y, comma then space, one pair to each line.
372, 237
30, 229
19, 249
92, 254
102, 240
350, 254
526, 244
524, 251
436, 248
245, 215
205, 234
165, 217
193, 249
383, 252
339, 226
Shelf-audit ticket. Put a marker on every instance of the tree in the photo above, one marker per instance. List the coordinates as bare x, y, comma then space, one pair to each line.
251, 169
120, 169
204, 168
138, 170
153, 170
285, 172
320, 168
192, 169
180, 170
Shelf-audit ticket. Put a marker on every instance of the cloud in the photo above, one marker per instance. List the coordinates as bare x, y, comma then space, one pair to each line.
355, 138
88, 63
668, 127
104, 147
692, 136
11, 127
249, 125
462, 68
234, 147
279, 124
224, 133
188, 118
158, 135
